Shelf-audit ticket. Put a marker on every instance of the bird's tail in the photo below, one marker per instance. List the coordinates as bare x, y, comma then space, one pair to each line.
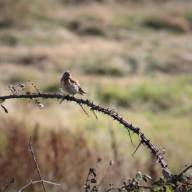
81, 91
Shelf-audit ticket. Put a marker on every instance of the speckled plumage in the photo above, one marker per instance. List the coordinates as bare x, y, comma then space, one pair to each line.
70, 85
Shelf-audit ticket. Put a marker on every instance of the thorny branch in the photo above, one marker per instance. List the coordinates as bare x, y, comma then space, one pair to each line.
143, 139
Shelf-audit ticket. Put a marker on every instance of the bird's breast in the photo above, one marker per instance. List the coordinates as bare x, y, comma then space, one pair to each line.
70, 87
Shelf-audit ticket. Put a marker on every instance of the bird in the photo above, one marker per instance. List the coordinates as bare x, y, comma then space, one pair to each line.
72, 87
69, 85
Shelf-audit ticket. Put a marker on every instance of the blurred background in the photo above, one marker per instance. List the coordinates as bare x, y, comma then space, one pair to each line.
133, 56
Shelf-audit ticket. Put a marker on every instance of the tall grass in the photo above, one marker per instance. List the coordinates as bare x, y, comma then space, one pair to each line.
61, 155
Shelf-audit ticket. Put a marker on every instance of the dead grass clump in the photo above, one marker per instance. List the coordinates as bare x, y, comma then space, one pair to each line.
14, 158
62, 156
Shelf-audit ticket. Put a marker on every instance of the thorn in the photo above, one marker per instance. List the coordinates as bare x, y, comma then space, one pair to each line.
83, 109
61, 101
94, 113
130, 137
4, 108
137, 148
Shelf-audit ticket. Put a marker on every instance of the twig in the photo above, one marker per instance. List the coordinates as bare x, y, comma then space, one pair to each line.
90, 181
6, 186
137, 148
184, 170
37, 182
87, 186
139, 186
122, 188
36, 164
153, 149
130, 137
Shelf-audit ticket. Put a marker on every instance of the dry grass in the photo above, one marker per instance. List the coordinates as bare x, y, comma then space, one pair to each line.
135, 49
62, 156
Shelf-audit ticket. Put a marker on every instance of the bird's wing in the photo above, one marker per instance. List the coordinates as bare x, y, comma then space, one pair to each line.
74, 81
77, 83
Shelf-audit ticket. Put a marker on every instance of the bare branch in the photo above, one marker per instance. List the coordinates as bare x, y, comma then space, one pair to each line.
37, 182
36, 164
184, 170
114, 115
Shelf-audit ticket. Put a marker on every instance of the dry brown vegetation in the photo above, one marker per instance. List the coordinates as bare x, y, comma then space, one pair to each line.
62, 156
134, 57
170, 181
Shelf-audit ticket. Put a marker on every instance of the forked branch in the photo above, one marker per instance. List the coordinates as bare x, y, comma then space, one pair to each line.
31, 183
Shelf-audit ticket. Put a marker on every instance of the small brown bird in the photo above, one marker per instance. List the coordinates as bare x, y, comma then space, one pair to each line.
70, 85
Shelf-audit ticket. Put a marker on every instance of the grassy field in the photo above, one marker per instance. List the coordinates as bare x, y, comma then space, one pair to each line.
133, 57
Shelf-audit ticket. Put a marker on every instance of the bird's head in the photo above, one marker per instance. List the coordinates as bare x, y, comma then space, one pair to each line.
66, 75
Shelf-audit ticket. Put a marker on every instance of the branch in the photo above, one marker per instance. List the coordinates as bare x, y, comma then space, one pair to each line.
184, 170
37, 182
36, 164
114, 115
119, 189
90, 180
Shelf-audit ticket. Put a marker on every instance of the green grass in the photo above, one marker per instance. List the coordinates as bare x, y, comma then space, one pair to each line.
104, 65
124, 21
188, 16
157, 96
